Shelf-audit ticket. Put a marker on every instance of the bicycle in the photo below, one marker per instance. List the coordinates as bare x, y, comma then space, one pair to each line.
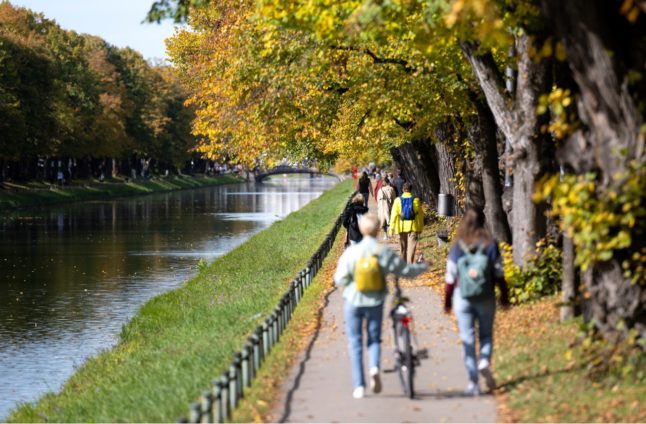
407, 356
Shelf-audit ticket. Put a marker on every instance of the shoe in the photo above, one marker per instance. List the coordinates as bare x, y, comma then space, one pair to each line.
358, 392
485, 371
385, 236
472, 389
375, 380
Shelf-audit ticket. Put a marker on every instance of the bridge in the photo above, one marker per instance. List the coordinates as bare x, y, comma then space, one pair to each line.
260, 175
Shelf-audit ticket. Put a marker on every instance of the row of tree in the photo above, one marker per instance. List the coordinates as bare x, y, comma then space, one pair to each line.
74, 98
545, 96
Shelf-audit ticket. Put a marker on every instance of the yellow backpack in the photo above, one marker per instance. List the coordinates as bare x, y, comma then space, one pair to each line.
367, 274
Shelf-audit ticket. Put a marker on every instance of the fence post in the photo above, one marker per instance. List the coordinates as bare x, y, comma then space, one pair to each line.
265, 338
233, 391
237, 363
206, 404
216, 409
194, 413
258, 342
224, 397
246, 367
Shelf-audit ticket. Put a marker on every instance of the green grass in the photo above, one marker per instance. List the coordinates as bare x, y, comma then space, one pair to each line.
38, 194
181, 340
544, 379
261, 397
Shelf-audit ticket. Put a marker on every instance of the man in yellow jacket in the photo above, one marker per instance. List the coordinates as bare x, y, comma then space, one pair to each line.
408, 225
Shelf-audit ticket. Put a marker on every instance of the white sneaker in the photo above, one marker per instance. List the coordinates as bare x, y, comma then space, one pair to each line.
358, 392
472, 389
485, 371
375, 380
385, 236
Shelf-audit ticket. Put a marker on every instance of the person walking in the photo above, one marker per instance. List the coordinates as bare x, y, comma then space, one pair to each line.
398, 184
351, 219
474, 265
385, 198
365, 188
362, 270
407, 220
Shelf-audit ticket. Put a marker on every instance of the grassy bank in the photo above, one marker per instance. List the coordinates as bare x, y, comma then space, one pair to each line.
179, 341
34, 194
543, 378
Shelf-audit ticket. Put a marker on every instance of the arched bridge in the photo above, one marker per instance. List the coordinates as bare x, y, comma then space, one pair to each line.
260, 175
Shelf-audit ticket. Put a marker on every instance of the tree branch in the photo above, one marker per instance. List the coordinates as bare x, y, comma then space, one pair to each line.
490, 80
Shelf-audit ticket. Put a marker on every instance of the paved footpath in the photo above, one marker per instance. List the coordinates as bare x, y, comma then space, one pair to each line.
319, 387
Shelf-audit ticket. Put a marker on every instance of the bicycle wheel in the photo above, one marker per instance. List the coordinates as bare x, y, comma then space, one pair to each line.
406, 365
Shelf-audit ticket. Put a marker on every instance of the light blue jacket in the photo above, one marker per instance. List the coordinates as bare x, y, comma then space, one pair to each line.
389, 261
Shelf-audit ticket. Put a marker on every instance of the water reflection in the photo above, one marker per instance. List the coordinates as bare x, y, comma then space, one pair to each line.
71, 276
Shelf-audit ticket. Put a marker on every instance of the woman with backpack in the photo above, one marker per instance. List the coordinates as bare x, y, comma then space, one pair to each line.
362, 270
385, 197
351, 219
473, 267
407, 220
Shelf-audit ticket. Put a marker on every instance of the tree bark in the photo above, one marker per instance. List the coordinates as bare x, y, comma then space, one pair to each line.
520, 126
482, 134
568, 282
609, 140
418, 170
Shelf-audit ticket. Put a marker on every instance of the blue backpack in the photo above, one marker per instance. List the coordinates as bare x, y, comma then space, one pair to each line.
474, 271
408, 212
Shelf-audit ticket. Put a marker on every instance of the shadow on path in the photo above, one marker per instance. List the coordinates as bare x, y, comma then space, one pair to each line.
308, 353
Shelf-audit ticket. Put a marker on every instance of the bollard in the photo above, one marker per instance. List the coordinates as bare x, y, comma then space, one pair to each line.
207, 405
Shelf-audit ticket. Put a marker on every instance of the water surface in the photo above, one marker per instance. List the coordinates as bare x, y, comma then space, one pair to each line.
71, 276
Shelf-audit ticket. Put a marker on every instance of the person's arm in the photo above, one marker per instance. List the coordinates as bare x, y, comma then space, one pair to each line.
394, 264
394, 215
343, 274
419, 213
450, 279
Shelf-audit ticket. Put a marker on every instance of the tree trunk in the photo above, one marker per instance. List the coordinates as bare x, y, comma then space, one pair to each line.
520, 126
568, 283
482, 134
421, 173
609, 140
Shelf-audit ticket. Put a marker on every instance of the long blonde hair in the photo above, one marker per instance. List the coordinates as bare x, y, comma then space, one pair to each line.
472, 229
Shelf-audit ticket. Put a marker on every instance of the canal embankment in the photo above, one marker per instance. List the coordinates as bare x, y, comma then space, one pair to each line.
35, 194
180, 340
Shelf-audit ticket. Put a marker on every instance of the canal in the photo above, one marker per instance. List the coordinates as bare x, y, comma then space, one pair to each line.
71, 276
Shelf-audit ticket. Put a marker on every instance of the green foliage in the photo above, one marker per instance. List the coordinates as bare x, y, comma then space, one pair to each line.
539, 277
612, 361
603, 224
68, 95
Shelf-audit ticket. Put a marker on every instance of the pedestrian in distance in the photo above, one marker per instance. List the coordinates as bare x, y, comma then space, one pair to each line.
407, 220
473, 267
362, 271
365, 188
351, 219
398, 184
385, 198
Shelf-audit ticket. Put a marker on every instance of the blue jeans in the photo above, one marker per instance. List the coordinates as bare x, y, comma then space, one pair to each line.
467, 311
354, 317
